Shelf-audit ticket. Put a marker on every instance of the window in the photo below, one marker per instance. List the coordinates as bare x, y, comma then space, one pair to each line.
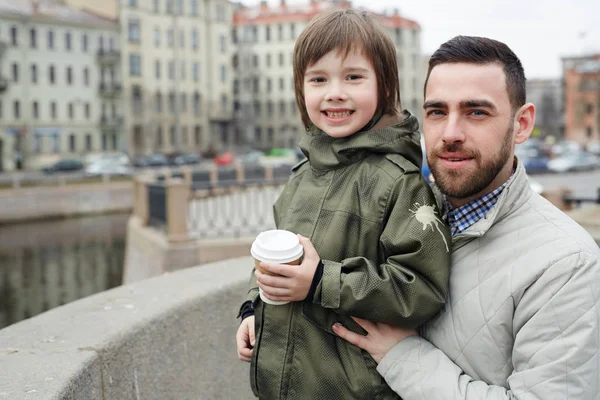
87, 110
255, 60
255, 85
172, 101
37, 144
270, 135
590, 108
114, 141
111, 43
132, 3
184, 135
35, 110
197, 134
223, 73
72, 143
194, 7
194, 39
158, 102
50, 40
156, 37
172, 134
133, 29
281, 59
589, 132
267, 33
171, 71
183, 103
220, 12
51, 75
222, 43
17, 109
398, 36
69, 76
101, 43
257, 108
86, 76
156, 6
181, 39
68, 41
88, 142
32, 38
281, 84
269, 109
400, 61
135, 61
196, 103
170, 38
282, 108
234, 35
268, 60
55, 144
159, 136
180, 7
53, 110
84, 43
104, 142
157, 69
196, 71
269, 85
14, 36
170, 6
15, 72
280, 32
182, 70
293, 107
71, 111
292, 31
258, 134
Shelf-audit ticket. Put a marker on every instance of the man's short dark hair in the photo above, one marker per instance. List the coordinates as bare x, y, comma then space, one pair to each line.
480, 50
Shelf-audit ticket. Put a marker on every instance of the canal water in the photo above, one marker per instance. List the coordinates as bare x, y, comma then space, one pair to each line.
47, 264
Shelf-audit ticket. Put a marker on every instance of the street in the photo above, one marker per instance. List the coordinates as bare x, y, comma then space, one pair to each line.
583, 184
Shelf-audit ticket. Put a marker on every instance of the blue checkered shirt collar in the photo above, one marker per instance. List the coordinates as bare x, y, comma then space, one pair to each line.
461, 218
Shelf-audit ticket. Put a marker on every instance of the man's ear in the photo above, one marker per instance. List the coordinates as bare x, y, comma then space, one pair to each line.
524, 122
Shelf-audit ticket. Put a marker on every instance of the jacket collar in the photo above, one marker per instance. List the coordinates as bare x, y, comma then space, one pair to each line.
327, 153
514, 195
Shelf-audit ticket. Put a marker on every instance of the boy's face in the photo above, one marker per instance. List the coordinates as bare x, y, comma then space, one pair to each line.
340, 94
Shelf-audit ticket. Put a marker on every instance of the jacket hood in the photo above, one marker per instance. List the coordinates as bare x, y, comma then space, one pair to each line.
327, 153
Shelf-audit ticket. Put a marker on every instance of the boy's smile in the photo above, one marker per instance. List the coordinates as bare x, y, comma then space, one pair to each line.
341, 93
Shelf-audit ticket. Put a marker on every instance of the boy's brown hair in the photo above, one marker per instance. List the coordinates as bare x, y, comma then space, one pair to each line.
345, 31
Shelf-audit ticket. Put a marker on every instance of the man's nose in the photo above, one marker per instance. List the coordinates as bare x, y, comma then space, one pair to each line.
453, 131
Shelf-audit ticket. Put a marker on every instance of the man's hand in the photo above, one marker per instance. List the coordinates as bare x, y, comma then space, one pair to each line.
379, 340
290, 282
245, 339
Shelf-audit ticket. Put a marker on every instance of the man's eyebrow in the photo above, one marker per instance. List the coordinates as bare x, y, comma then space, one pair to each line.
477, 103
434, 104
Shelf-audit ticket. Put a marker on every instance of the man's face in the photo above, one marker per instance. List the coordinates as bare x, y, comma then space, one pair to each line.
469, 129
340, 93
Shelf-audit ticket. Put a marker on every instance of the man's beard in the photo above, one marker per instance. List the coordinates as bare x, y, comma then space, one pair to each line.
461, 184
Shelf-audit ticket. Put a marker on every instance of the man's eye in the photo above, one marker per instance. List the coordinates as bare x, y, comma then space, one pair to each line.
434, 112
478, 113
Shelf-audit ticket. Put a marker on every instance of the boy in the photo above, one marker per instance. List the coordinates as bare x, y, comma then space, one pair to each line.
380, 250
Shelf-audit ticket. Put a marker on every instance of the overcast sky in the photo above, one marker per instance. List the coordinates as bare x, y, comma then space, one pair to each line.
539, 32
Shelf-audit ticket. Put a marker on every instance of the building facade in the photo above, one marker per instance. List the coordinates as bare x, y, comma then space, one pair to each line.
265, 110
547, 96
581, 79
177, 86
59, 93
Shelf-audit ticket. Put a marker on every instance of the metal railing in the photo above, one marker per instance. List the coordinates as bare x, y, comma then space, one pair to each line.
572, 201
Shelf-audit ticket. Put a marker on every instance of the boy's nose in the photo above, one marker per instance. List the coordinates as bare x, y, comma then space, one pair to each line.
335, 92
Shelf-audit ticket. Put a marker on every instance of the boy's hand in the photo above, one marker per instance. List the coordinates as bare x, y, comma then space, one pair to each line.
290, 282
245, 339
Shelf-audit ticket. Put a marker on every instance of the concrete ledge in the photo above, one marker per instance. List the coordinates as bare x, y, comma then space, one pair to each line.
169, 337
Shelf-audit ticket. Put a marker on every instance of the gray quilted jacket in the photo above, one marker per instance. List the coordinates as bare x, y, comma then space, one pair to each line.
522, 320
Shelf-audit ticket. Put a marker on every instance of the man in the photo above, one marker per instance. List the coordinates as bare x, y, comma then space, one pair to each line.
522, 318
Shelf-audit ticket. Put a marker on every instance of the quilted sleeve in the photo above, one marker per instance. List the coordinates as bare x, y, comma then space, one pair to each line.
555, 354
411, 283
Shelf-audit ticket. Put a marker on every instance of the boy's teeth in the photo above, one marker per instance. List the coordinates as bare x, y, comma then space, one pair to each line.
338, 114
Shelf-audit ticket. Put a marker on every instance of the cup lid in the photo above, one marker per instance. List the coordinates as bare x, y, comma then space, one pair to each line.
276, 246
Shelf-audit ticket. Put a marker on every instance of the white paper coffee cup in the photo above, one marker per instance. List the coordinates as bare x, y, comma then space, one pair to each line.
278, 247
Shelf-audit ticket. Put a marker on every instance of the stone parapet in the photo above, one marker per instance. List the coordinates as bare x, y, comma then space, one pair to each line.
169, 337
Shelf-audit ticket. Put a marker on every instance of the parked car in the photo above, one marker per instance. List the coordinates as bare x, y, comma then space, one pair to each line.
565, 147
185, 159
251, 157
594, 147
64, 166
577, 161
106, 167
224, 158
152, 160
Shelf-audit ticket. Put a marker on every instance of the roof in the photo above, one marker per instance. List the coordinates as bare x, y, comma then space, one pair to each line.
263, 14
54, 11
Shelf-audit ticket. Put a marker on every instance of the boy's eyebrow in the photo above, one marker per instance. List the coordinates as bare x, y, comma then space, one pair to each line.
310, 71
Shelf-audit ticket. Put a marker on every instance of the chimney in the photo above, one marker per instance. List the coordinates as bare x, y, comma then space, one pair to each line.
283, 4
263, 5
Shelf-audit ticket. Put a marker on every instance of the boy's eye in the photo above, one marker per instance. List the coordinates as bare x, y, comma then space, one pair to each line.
318, 79
354, 77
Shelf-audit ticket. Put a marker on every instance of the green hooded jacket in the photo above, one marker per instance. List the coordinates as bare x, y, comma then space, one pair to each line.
374, 222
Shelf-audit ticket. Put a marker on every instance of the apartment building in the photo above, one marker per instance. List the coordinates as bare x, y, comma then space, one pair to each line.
177, 61
265, 110
59, 83
581, 80
547, 95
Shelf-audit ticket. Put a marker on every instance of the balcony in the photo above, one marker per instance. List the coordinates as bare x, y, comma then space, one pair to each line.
110, 124
110, 90
108, 57
3, 84
216, 112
